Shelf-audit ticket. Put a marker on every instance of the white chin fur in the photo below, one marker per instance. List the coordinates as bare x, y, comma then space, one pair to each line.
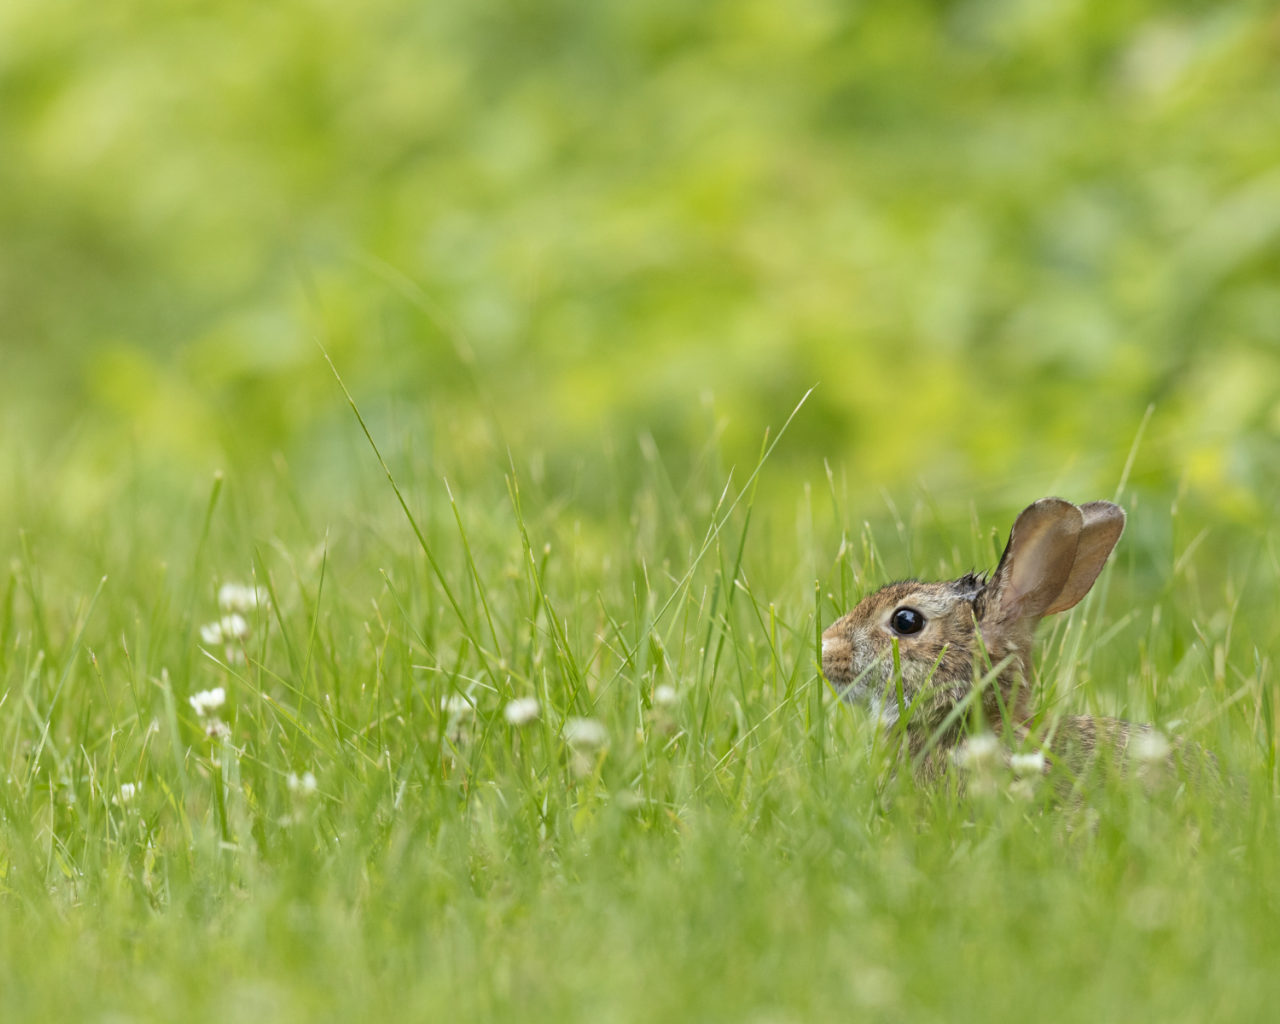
884, 712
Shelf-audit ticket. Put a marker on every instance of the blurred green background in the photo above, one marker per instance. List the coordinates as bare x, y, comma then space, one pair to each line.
991, 232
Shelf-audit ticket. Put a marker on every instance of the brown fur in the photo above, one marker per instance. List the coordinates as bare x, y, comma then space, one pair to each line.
1056, 550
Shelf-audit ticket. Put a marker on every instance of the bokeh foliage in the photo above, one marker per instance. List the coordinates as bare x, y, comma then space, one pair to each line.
992, 231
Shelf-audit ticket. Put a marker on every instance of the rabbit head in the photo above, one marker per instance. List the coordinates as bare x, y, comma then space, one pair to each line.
1055, 552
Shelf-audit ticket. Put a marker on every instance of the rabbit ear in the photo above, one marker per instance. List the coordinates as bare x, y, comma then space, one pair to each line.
1103, 524
1038, 561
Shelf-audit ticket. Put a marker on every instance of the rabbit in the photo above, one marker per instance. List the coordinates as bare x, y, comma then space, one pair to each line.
1055, 552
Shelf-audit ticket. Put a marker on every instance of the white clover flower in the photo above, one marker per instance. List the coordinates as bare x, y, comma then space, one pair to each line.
129, 790
585, 733
521, 711
207, 701
1022, 789
303, 785
1027, 764
226, 630
236, 597
211, 633
234, 627
664, 696
978, 752
457, 704
1150, 745
217, 729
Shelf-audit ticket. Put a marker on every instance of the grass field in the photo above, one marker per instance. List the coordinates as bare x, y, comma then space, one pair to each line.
359, 830
537, 732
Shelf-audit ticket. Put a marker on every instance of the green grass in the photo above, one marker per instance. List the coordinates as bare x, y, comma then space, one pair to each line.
744, 851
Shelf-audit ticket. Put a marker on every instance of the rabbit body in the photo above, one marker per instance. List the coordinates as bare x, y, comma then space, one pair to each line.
951, 633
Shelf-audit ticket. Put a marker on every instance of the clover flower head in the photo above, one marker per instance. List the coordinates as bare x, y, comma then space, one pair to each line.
585, 733
217, 729
237, 597
211, 633
1150, 745
226, 630
978, 752
521, 711
1027, 764
207, 701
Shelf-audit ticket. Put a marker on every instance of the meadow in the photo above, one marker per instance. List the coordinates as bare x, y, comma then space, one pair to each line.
326, 809
435, 436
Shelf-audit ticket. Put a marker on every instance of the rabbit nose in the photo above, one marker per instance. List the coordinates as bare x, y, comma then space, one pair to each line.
837, 653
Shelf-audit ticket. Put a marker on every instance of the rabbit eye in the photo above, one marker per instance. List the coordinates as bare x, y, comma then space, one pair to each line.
907, 621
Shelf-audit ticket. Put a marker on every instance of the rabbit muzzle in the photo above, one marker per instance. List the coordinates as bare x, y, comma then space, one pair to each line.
847, 654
